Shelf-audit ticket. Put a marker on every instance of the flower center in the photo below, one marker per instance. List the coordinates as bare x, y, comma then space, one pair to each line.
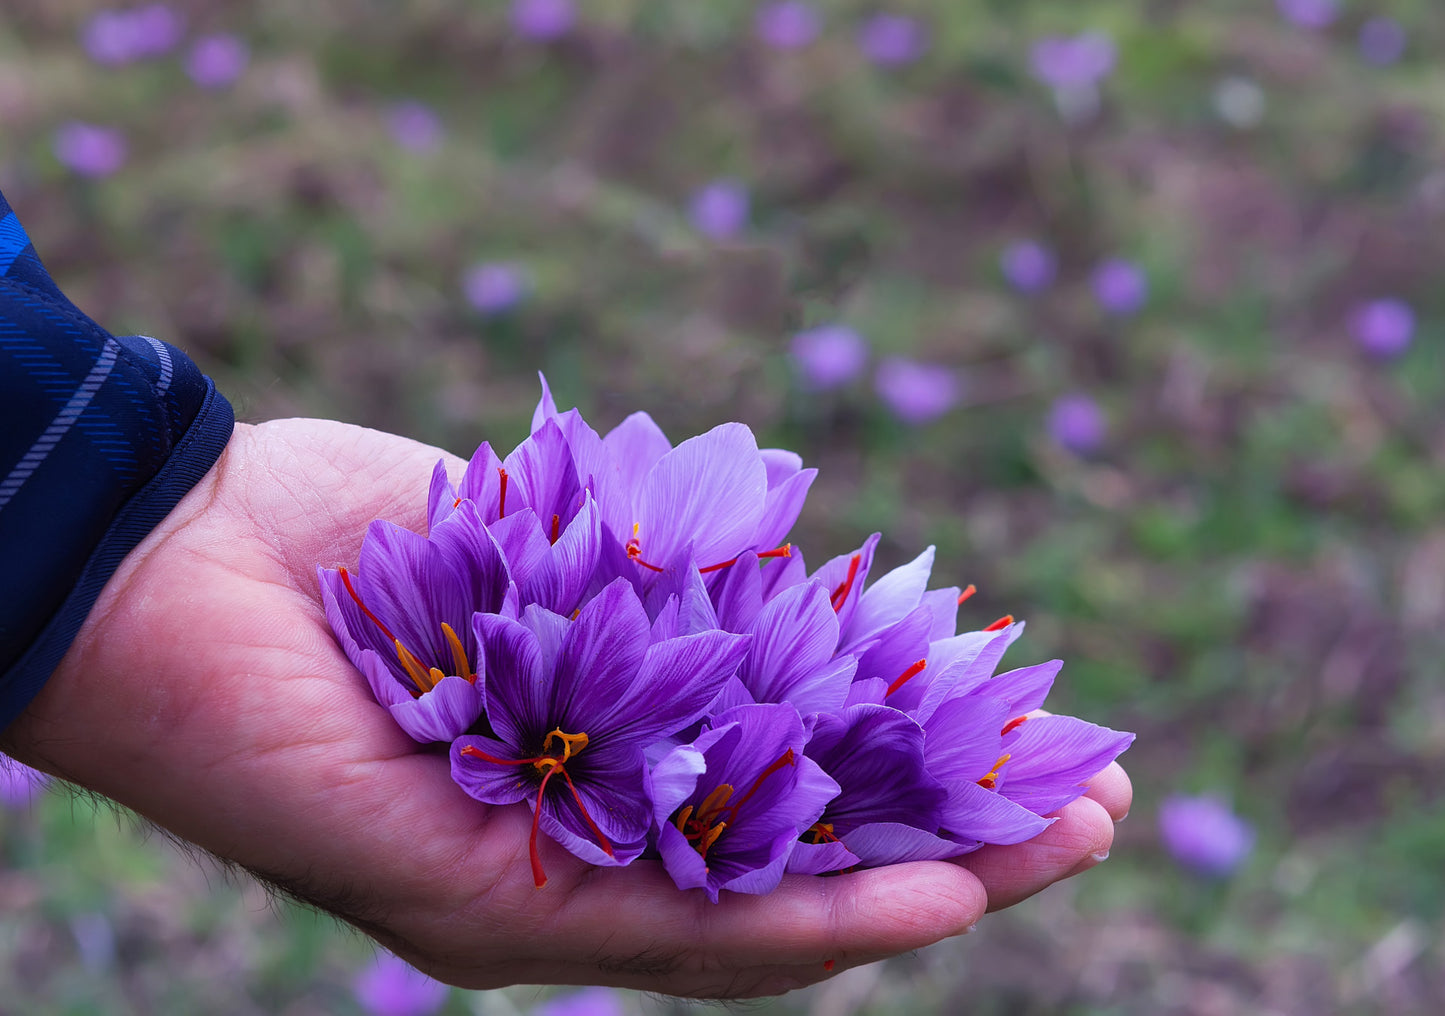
704, 823
549, 764
990, 781
819, 832
422, 677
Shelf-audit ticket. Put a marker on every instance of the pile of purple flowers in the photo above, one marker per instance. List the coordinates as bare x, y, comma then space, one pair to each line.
612, 631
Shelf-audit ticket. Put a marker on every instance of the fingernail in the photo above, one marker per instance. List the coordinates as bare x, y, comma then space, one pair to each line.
1121, 818
970, 928
1102, 855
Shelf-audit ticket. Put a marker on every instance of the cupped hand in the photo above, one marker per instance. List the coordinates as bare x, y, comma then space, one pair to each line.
206, 692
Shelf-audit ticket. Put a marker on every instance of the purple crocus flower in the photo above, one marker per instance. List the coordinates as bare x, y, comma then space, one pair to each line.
787, 24
828, 356
889, 806
1046, 760
730, 806
1077, 424
720, 209
1029, 266
493, 287
392, 987
1120, 287
1072, 62
88, 150
1382, 41
416, 127
1309, 13
115, 38
543, 20
20, 785
1204, 834
916, 393
583, 699
587, 1002
217, 61
405, 619
1383, 328
892, 40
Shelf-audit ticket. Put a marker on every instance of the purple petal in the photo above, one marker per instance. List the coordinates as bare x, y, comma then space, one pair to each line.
820, 858
441, 496
962, 740
737, 594
482, 484
677, 682
880, 843
597, 673
790, 659
876, 755
1024, 689
486, 781
781, 508
546, 405
631, 448
542, 466
709, 491
888, 600
1052, 757
442, 714
835, 578
514, 679
986, 816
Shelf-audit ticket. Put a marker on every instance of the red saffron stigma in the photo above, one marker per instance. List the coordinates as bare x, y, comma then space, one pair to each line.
1012, 725
905, 677
346, 581
786, 759
634, 550
502, 498
828, 965
840, 595
967, 593
786, 550
556, 527
1001, 623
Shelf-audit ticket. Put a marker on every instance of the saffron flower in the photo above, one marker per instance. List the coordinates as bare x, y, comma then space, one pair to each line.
89, 150
390, 986
787, 24
719, 210
828, 356
405, 619
492, 287
892, 40
1077, 424
217, 61
1120, 287
917, 393
416, 127
731, 805
1071, 62
582, 700
543, 20
1382, 41
1383, 328
1309, 13
1204, 834
1029, 266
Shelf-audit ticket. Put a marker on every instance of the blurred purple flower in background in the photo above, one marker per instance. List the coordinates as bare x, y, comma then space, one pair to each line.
1120, 286
494, 287
587, 1002
216, 61
1204, 834
115, 38
1077, 424
720, 209
1029, 266
1383, 328
19, 784
1382, 41
88, 150
789, 24
543, 20
829, 356
393, 987
1073, 61
414, 125
891, 40
917, 393
1309, 13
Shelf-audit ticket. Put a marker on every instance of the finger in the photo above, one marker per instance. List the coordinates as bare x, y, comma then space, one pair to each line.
641, 931
1112, 789
1078, 840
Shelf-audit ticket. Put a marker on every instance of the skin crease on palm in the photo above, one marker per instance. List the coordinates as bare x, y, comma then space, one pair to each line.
205, 692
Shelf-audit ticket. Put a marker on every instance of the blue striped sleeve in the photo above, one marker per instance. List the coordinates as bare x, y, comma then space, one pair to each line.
100, 437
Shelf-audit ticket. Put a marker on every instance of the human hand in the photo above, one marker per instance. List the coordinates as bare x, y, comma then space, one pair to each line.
206, 692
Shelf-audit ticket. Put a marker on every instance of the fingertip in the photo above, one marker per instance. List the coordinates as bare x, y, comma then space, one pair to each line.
1113, 790
906, 906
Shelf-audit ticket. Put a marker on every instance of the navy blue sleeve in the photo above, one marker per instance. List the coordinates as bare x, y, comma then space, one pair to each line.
100, 437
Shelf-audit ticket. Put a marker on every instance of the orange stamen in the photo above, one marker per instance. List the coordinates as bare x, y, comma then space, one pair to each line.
991, 779
459, 654
634, 550
822, 832
840, 595
905, 677
1001, 623
967, 593
786, 550
1012, 725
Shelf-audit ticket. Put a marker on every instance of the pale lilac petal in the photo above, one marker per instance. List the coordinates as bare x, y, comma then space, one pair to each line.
880, 843
834, 577
975, 814
737, 594
962, 740
709, 491
684, 864
1052, 757
781, 508
789, 661
481, 483
546, 405
781, 464
820, 858
888, 600
783, 573
943, 605
442, 714
1024, 689
441, 496
632, 448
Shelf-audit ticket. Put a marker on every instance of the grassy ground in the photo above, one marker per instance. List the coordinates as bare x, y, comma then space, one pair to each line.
1247, 571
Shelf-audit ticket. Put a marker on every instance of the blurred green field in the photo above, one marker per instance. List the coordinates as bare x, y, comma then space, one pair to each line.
1249, 570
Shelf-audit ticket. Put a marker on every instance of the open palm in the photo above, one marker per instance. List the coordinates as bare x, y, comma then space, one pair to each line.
207, 693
